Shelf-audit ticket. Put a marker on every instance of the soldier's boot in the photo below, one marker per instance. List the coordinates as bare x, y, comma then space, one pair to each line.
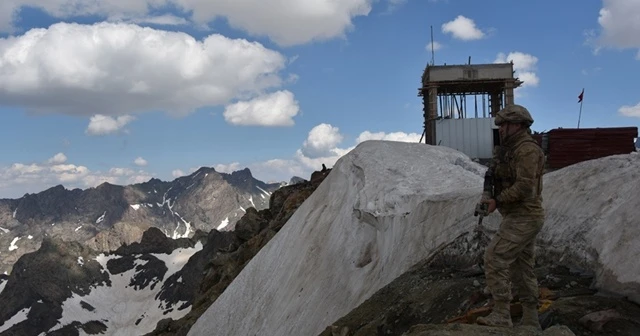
530, 317
499, 317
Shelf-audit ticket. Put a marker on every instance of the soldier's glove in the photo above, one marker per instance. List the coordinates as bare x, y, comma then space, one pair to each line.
482, 209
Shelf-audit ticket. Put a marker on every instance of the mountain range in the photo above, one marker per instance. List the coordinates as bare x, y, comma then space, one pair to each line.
107, 216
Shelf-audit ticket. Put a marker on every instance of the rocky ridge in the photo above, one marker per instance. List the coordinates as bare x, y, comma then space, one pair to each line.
105, 217
444, 294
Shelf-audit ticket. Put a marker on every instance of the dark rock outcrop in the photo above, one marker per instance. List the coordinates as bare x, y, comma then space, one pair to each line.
444, 294
296, 180
42, 280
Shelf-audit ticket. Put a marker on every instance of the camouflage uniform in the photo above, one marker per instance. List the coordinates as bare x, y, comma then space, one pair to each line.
518, 168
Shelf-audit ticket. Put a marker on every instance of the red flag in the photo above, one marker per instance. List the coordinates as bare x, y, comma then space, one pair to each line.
580, 96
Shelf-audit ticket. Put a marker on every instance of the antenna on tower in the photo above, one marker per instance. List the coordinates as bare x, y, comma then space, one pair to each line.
432, 50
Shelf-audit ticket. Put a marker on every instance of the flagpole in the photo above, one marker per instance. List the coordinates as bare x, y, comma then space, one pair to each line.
580, 114
581, 97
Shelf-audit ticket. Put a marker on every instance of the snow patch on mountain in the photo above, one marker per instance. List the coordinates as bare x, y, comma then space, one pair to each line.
125, 307
13, 245
17, 318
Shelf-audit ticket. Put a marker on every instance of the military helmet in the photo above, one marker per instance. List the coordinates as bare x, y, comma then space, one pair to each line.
516, 114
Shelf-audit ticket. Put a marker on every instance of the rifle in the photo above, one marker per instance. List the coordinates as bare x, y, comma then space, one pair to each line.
482, 209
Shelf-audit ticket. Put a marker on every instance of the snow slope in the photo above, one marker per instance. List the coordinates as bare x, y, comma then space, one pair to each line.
384, 206
593, 220
128, 303
387, 205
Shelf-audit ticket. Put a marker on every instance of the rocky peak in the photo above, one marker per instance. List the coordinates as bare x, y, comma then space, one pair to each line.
155, 241
296, 180
241, 178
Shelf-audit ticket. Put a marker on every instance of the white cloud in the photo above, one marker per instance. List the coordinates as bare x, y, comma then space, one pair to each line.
277, 170
111, 69
392, 5
58, 159
19, 178
275, 109
227, 168
177, 173
292, 78
463, 28
524, 66
66, 173
139, 177
139, 161
321, 141
120, 171
620, 27
393, 136
322, 146
312, 19
103, 125
436, 46
630, 111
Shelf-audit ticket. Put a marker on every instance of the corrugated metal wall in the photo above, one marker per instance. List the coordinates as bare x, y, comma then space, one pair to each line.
472, 136
569, 146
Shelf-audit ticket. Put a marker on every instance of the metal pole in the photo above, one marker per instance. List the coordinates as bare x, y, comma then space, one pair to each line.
433, 57
580, 114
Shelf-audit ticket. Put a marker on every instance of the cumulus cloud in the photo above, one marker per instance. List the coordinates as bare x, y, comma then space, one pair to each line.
393, 5
524, 66
111, 70
275, 109
630, 111
20, 178
463, 28
322, 146
58, 159
436, 46
321, 141
102, 125
227, 168
278, 170
139, 161
619, 26
393, 136
177, 173
313, 19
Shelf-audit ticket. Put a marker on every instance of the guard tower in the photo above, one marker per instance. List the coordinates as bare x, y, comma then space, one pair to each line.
460, 103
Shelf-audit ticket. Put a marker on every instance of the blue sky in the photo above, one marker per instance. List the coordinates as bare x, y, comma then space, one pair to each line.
123, 92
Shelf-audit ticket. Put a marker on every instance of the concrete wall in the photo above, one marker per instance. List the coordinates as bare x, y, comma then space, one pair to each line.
472, 136
468, 72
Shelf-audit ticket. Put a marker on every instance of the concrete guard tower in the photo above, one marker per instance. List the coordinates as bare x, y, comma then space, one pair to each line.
447, 90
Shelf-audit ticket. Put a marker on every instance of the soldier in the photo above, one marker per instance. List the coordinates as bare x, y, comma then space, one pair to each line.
519, 166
